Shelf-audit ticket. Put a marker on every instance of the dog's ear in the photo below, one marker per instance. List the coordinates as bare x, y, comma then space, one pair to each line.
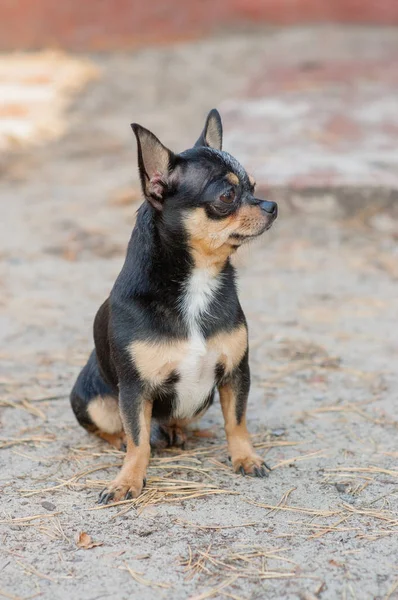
211, 135
155, 163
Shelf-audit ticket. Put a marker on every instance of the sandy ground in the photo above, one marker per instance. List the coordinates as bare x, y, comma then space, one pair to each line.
320, 295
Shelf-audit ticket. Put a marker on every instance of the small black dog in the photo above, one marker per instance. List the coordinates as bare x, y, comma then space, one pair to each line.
172, 329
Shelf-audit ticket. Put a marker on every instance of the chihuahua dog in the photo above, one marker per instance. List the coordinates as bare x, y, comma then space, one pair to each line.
172, 329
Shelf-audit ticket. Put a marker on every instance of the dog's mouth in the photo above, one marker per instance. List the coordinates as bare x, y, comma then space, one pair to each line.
246, 237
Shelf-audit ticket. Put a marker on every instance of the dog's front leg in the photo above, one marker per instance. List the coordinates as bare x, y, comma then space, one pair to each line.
233, 397
136, 414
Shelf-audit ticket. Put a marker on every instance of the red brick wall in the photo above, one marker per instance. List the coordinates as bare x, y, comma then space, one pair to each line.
105, 24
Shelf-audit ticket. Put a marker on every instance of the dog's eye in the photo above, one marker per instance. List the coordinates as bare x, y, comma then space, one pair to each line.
228, 197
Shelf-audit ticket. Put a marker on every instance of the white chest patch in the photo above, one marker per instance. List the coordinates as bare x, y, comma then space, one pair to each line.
197, 369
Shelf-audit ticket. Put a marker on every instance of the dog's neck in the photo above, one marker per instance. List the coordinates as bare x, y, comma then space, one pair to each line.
197, 294
164, 263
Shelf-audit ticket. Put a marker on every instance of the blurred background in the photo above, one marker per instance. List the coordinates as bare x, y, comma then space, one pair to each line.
308, 91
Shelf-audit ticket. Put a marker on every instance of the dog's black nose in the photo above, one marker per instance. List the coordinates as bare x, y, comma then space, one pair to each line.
269, 207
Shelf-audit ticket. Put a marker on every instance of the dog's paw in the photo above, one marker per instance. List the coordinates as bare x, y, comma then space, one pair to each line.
117, 491
117, 440
253, 465
165, 436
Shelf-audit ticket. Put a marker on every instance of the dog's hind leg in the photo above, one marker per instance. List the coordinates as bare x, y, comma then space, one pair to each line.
95, 405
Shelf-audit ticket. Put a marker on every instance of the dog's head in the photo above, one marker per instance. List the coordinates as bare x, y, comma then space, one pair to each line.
203, 193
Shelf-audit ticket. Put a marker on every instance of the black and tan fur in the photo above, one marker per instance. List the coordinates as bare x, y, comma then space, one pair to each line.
172, 330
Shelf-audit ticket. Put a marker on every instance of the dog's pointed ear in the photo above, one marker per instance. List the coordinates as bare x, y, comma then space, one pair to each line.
211, 135
155, 163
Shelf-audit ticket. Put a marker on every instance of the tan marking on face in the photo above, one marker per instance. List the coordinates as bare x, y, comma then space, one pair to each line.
156, 361
231, 346
104, 413
209, 239
252, 181
232, 178
133, 472
251, 219
239, 443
